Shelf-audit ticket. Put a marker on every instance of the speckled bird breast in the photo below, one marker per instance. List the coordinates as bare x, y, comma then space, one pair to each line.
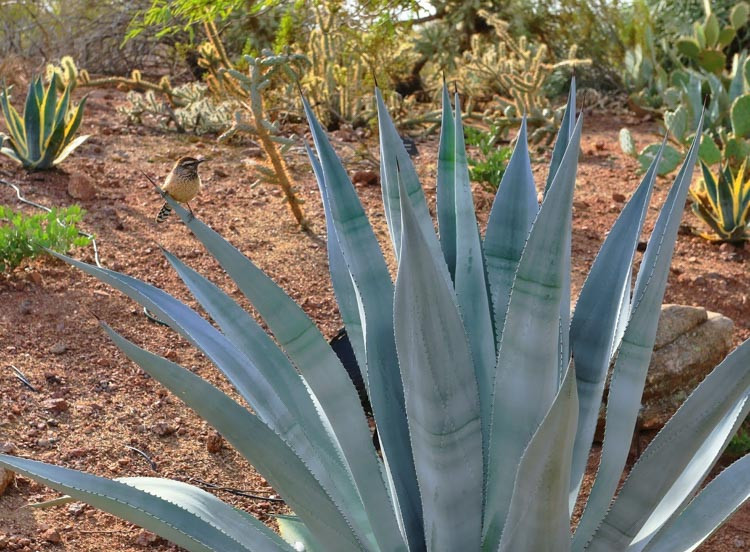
182, 189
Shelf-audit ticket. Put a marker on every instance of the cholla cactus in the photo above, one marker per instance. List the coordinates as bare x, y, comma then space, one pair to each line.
513, 72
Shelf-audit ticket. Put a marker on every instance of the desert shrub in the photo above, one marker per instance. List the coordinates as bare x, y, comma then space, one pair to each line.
26, 236
488, 167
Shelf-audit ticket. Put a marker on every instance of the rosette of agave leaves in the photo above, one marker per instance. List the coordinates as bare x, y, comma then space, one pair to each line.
485, 389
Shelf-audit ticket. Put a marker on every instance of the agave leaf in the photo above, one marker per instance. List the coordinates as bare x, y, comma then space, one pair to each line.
602, 304
661, 481
75, 120
296, 533
246, 378
52, 147
67, 150
318, 364
538, 517
31, 122
287, 471
373, 284
343, 287
14, 123
511, 218
446, 191
471, 285
322, 456
47, 111
629, 373
442, 402
181, 513
527, 363
12, 154
707, 511
395, 165
564, 135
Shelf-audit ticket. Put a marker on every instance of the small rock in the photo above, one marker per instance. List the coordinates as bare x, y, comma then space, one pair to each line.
35, 277
214, 443
81, 186
58, 348
56, 405
147, 539
163, 429
7, 447
76, 509
739, 543
6, 478
618, 197
365, 178
52, 535
642, 246
25, 306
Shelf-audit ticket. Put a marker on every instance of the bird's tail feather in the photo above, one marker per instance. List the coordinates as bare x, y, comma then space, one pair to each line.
165, 211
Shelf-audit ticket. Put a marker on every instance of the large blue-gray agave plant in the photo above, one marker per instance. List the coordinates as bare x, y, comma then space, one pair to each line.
485, 422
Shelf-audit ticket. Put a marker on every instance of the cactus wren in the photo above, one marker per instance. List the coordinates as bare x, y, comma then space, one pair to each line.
182, 184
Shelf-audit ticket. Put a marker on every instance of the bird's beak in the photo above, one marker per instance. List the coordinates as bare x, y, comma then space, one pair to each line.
201, 160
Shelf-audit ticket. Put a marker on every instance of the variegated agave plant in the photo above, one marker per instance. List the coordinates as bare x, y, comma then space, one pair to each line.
485, 423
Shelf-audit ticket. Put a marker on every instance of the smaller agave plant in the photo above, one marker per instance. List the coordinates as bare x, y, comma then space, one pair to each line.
44, 136
723, 202
484, 388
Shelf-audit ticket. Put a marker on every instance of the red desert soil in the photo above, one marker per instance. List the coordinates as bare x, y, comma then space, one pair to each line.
106, 404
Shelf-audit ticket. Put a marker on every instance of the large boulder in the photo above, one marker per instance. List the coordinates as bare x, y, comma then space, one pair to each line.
690, 342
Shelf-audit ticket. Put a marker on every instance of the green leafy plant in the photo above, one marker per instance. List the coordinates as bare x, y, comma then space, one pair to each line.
723, 202
26, 236
703, 78
43, 137
489, 167
485, 422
